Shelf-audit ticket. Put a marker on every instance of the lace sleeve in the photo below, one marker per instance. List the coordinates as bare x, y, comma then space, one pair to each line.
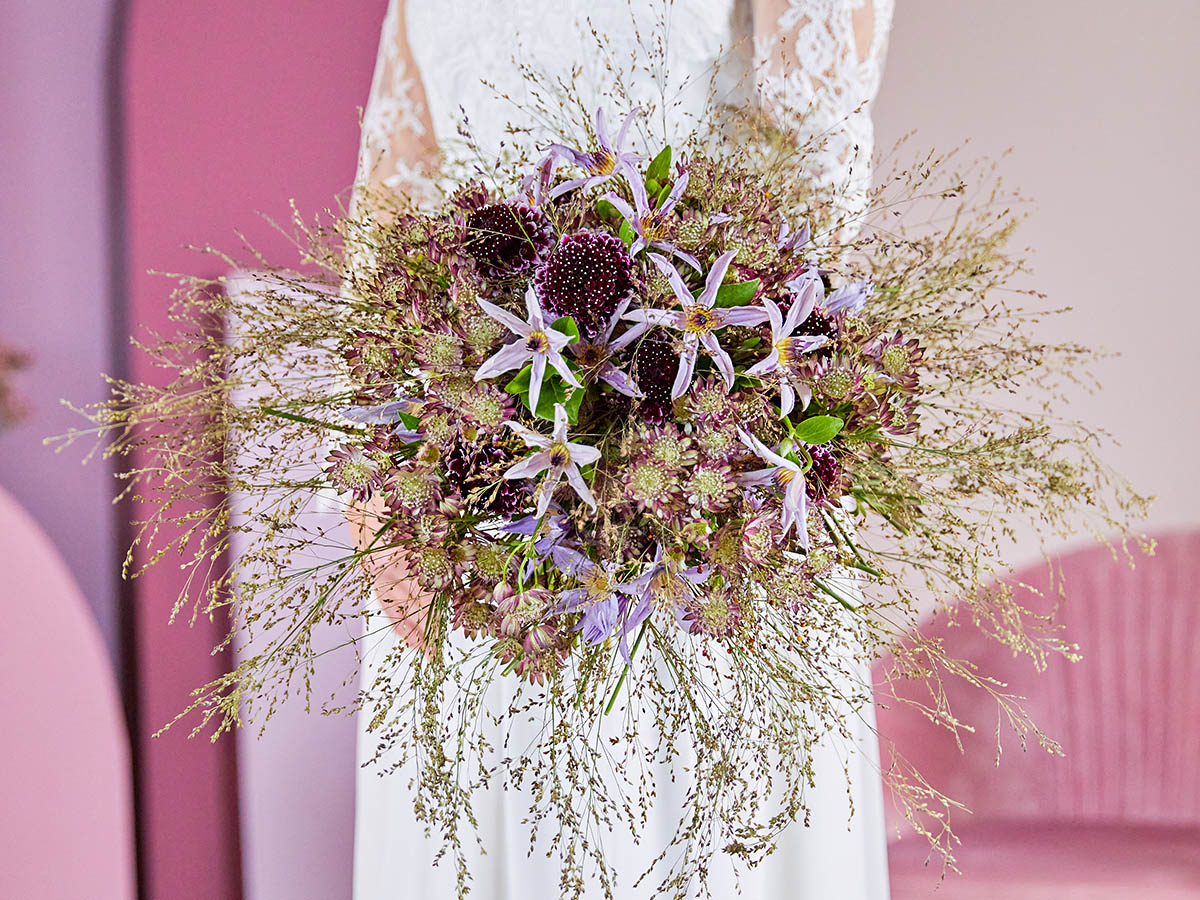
398, 148
817, 65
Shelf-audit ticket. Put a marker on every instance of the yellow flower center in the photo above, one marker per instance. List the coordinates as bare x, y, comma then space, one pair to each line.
700, 319
559, 455
602, 163
538, 342
783, 477
654, 227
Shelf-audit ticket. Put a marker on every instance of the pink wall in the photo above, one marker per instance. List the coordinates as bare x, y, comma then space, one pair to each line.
1099, 103
232, 109
54, 273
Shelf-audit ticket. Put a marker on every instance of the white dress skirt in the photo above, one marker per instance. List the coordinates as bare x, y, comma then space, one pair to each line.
456, 44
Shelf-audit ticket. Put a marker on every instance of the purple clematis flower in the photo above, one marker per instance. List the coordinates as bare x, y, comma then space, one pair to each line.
596, 358
849, 299
698, 320
557, 457
554, 530
785, 475
666, 582
605, 601
602, 163
786, 349
650, 223
789, 242
539, 343
534, 190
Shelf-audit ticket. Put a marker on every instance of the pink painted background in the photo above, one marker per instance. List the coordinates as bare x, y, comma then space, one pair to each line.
233, 108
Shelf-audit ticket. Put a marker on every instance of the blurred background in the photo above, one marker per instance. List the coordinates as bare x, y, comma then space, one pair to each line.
133, 129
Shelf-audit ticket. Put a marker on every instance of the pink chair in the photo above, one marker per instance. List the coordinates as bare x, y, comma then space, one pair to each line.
1119, 815
66, 823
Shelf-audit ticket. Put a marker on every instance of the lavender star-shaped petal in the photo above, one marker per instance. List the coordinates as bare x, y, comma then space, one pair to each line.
539, 345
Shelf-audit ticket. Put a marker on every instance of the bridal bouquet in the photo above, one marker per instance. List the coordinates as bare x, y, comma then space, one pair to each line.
660, 450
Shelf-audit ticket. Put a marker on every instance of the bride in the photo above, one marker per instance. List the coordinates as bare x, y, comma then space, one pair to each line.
815, 59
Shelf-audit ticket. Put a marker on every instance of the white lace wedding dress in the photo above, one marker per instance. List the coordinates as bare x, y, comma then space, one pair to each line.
820, 57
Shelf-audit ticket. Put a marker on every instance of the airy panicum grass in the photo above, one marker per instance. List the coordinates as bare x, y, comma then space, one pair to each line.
237, 442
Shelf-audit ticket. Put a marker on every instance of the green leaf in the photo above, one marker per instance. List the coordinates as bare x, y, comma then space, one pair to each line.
554, 391
410, 422
627, 234
653, 186
818, 429
737, 294
662, 196
572, 405
606, 210
566, 325
520, 384
660, 166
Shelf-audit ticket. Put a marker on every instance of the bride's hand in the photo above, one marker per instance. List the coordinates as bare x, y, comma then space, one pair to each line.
399, 594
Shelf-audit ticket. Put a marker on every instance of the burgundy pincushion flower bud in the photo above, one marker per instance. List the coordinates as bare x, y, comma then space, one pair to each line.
507, 239
586, 277
479, 468
824, 474
655, 365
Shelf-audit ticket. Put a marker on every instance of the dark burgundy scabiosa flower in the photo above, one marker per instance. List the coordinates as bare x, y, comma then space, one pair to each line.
507, 239
817, 324
477, 471
654, 364
823, 478
586, 277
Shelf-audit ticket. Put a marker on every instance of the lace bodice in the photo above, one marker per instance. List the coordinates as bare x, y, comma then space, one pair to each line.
443, 61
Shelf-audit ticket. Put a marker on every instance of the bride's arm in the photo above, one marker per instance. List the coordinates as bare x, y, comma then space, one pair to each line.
817, 67
398, 152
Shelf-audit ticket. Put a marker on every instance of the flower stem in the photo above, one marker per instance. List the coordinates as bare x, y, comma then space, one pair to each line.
637, 642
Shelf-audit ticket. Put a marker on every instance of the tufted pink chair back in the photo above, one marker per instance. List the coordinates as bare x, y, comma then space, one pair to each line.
1127, 715
66, 821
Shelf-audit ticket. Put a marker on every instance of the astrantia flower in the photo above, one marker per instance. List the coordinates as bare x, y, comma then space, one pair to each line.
651, 224
787, 477
474, 617
835, 379
899, 360
557, 457
652, 486
786, 349
760, 535
374, 366
506, 240
602, 163
539, 343
712, 614
708, 401
698, 320
709, 487
586, 277
486, 405
898, 414
351, 469
440, 352
411, 489
517, 611
669, 447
